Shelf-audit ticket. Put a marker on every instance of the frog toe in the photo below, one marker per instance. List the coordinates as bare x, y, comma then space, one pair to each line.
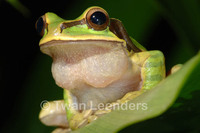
62, 130
54, 114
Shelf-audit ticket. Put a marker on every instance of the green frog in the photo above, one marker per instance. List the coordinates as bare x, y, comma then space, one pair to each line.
96, 62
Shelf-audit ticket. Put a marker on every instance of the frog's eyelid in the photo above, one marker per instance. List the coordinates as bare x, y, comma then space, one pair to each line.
118, 29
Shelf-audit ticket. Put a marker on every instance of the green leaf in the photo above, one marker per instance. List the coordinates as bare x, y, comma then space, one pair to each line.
19, 7
158, 100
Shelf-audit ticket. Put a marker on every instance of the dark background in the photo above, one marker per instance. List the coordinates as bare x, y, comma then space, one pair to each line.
172, 26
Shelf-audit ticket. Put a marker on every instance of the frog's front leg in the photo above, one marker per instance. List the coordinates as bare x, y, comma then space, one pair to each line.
152, 64
54, 114
77, 118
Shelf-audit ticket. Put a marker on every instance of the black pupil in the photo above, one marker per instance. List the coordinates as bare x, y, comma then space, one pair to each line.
98, 18
40, 24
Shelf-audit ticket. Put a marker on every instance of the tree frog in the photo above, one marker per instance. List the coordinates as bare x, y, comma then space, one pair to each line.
96, 62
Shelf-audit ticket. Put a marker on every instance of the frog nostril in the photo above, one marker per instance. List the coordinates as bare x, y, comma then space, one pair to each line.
62, 27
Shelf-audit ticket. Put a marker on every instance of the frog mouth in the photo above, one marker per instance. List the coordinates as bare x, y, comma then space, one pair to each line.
74, 51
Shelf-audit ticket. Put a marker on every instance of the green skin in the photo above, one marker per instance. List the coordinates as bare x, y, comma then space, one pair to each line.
151, 63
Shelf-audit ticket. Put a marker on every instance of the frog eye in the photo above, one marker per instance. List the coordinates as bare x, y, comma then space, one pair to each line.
97, 19
41, 25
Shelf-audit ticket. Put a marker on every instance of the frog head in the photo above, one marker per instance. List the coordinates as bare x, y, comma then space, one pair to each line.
91, 49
